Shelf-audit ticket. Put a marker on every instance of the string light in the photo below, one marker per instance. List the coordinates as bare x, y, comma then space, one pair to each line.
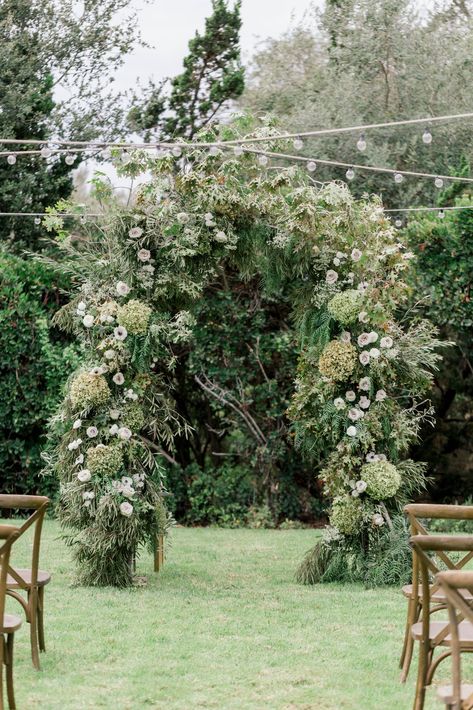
361, 144
427, 137
298, 143
398, 177
213, 151
45, 152
37, 220
263, 159
11, 159
350, 174
438, 182
70, 159
441, 214
177, 151
311, 166
398, 223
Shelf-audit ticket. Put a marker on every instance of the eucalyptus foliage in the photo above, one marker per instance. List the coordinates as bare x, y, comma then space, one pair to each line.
154, 262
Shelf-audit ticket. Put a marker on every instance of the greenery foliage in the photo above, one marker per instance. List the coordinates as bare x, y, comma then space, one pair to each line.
34, 362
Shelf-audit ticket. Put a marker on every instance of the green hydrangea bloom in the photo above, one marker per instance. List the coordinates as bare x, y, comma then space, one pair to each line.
338, 360
347, 514
382, 479
133, 417
345, 306
104, 460
134, 316
88, 390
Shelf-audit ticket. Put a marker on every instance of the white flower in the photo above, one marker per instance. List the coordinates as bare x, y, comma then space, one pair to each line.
373, 336
220, 236
126, 509
81, 306
118, 378
135, 232
386, 342
351, 431
336, 261
120, 332
74, 444
339, 403
363, 317
79, 460
364, 357
113, 429
408, 255
382, 457
182, 217
340, 255
350, 277
371, 457
92, 432
96, 371
88, 320
128, 491
361, 486
354, 414
350, 396
364, 383
88, 495
110, 354
356, 254
209, 219
331, 276
122, 288
345, 337
355, 493
374, 353
114, 414
77, 424
363, 339
84, 475
125, 433
144, 255
380, 396
148, 268
363, 286
364, 402
378, 519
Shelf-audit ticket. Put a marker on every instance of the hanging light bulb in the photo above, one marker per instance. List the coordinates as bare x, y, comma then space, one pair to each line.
82, 218
45, 151
427, 137
350, 174
298, 143
398, 177
11, 159
213, 151
438, 182
238, 150
177, 151
106, 154
441, 214
263, 160
70, 159
125, 157
311, 166
398, 223
37, 220
361, 144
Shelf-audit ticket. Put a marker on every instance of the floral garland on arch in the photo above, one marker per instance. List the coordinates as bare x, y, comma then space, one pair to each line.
362, 372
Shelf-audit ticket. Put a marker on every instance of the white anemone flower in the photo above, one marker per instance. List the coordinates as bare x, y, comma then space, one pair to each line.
364, 357
122, 288
331, 276
361, 486
125, 433
88, 320
356, 254
92, 432
350, 396
126, 509
339, 403
118, 378
120, 332
135, 232
364, 402
352, 431
84, 475
144, 255
364, 383
380, 395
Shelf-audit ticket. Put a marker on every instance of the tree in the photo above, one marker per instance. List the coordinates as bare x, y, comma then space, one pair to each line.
56, 63
212, 78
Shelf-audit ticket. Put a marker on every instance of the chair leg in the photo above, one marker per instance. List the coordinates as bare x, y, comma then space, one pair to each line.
42, 645
421, 676
413, 614
9, 669
2, 659
33, 613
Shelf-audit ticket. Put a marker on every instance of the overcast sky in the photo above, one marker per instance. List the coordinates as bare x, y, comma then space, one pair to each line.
169, 24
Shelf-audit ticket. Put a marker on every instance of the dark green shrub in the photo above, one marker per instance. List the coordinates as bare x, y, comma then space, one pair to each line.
33, 366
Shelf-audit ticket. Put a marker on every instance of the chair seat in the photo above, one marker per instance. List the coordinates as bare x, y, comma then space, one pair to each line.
43, 578
445, 692
11, 622
438, 596
465, 632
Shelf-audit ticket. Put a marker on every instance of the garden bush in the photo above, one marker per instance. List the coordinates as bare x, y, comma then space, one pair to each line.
34, 362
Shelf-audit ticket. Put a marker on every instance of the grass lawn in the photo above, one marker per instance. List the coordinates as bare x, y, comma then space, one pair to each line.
222, 626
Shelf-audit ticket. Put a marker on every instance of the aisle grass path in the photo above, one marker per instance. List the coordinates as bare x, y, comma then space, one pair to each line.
223, 626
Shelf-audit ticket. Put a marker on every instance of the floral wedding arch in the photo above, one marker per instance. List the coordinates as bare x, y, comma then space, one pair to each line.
364, 362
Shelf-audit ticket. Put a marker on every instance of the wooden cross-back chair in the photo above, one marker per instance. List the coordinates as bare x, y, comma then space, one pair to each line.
436, 634
418, 514
9, 623
457, 695
27, 585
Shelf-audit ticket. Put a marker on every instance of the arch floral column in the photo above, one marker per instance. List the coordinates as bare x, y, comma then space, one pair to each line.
361, 373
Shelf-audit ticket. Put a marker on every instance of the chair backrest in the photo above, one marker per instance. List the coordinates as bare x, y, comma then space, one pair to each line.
452, 583
39, 505
418, 513
429, 548
8, 535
